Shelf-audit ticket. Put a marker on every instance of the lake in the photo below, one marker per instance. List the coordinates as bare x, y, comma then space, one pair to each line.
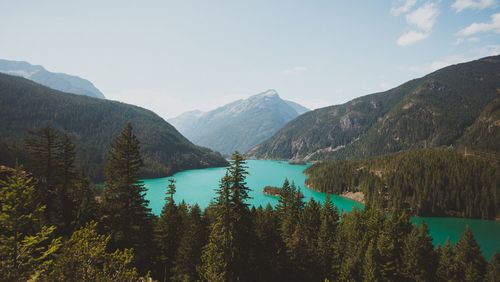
199, 185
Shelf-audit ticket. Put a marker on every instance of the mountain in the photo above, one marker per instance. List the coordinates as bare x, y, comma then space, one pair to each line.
239, 125
454, 106
92, 125
58, 81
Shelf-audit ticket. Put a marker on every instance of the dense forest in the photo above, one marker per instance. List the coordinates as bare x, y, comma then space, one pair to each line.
456, 105
426, 182
56, 226
91, 123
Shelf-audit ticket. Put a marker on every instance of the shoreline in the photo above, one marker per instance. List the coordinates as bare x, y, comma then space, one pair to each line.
355, 196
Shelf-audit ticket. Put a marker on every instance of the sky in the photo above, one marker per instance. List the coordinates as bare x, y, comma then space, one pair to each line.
176, 56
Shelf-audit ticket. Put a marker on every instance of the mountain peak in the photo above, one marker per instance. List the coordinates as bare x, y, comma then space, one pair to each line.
267, 93
240, 125
59, 81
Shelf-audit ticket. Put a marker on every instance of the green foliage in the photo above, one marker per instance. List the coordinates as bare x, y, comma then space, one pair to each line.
471, 264
189, 248
168, 231
217, 258
52, 156
296, 241
326, 238
493, 273
84, 257
430, 182
92, 124
125, 213
420, 258
26, 249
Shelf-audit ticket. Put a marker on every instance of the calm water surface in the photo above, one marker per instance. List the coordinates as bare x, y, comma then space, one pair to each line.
198, 186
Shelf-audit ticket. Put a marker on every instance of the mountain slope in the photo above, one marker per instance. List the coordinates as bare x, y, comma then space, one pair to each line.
239, 125
431, 111
92, 125
58, 81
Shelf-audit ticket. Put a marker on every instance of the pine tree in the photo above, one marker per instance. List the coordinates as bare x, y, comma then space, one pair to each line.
446, 268
52, 157
244, 236
470, 261
190, 246
493, 273
85, 201
125, 212
167, 233
84, 257
217, 260
390, 247
370, 264
326, 238
270, 249
26, 249
420, 258
310, 222
68, 179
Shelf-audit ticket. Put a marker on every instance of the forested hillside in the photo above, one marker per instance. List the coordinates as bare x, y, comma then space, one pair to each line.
92, 123
455, 105
426, 182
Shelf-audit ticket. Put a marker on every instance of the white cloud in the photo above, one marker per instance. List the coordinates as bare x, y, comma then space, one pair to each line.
461, 40
411, 37
473, 54
295, 70
422, 21
474, 28
403, 8
460, 5
424, 17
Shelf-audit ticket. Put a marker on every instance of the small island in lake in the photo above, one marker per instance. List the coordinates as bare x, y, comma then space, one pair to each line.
276, 191
297, 162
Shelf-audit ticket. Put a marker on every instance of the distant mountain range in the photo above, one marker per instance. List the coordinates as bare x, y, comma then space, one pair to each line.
92, 125
240, 125
58, 81
455, 106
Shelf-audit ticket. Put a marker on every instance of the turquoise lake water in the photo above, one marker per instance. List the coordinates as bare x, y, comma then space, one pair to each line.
198, 186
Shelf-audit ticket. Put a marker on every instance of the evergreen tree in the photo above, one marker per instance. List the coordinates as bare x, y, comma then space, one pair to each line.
43, 149
84, 257
371, 272
85, 201
493, 273
244, 236
270, 250
420, 258
390, 247
52, 156
289, 209
68, 178
190, 246
471, 264
26, 249
126, 215
310, 222
326, 238
217, 260
167, 234
446, 268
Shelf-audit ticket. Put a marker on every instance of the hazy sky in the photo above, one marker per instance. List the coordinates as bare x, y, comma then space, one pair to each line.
175, 56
